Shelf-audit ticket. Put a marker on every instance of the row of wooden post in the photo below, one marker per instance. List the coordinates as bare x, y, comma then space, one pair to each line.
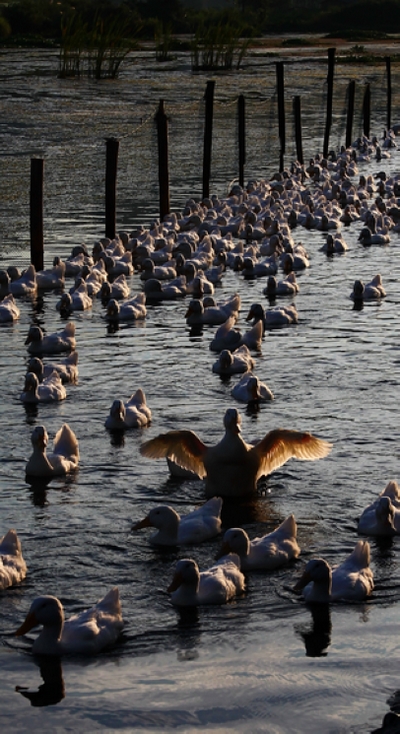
112, 147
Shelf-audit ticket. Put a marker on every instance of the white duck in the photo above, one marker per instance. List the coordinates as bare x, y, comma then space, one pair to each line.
174, 529
227, 337
55, 343
26, 284
199, 312
12, 565
9, 310
382, 517
135, 413
371, 291
67, 368
118, 289
286, 287
250, 389
131, 310
266, 553
232, 363
86, 633
217, 585
78, 300
51, 278
232, 467
156, 291
352, 580
50, 390
64, 458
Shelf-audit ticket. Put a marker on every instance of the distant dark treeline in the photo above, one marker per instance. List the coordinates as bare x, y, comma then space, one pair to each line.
41, 19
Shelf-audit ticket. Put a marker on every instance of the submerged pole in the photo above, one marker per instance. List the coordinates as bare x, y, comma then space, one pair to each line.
36, 213
112, 146
367, 110
163, 171
209, 100
242, 138
297, 128
350, 112
281, 111
329, 101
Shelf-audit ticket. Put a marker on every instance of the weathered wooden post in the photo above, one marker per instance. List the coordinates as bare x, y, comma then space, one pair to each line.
389, 93
367, 110
242, 137
36, 213
329, 102
112, 146
209, 100
350, 112
281, 111
297, 128
163, 171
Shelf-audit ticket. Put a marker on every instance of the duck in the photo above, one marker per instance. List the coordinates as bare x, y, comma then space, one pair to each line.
118, 289
216, 585
382, 516
199, 312
135, 413
63, 459
267, 553
251, 390
232, 467
78, 300
85, 633
233, 363
286, 287
173, 529
334, 245
227, 337
9, 311
167, 271
352, 580
54, 343
67, 368
50, 390
156, 292
371, 291
51, 278
12, 565
26, 284
273, 317
131, 310
366, 237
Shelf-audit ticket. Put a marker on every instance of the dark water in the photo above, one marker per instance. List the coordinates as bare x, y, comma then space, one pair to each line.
262, 663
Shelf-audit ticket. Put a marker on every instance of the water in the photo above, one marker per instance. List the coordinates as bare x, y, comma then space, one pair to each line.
263, 662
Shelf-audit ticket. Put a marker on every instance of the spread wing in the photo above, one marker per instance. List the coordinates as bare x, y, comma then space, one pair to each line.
184, 447
279, 445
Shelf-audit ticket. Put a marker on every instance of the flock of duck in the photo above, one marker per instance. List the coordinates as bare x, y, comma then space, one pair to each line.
251, 231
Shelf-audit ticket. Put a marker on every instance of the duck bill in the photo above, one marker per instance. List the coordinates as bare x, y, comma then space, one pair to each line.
175, 583
142, 524
29, 623
223, 551
302, 582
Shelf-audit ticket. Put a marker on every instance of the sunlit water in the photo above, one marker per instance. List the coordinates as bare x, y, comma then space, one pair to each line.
262, 663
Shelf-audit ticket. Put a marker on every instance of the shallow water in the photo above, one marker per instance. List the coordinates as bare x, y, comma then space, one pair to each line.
263, 662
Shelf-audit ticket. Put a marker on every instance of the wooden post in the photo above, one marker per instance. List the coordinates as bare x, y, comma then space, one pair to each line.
350, 112
297, 129
281, 111
36, 213
111, 185
209, 99
389, 93
367, 110
242, 138
328, 124
163, 171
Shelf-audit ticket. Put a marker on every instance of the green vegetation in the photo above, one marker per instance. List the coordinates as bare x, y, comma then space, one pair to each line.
217, 47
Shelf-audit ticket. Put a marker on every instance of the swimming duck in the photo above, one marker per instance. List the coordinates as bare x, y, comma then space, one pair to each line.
78, 300
67, 368
118, 289
155, 291
199, 312
232, 467
382, 517
233, 363
12, 565
64, 458
286, 287
51, 278
26, 284
272, 317
250, 389
268, 552
217, 585
366, 237
50, 390
173, 529
62, 341
131, 310
135, 413
352, 580
167, 271
9, 310
227, 337
371, 291
86, 633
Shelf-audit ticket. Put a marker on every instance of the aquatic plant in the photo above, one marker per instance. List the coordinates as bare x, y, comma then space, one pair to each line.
217, 47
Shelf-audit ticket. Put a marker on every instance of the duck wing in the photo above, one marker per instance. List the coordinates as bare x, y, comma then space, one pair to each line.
182, 446
65, 444
280, 445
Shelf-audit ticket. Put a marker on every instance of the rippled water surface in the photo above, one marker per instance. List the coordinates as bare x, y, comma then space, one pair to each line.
265, 662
